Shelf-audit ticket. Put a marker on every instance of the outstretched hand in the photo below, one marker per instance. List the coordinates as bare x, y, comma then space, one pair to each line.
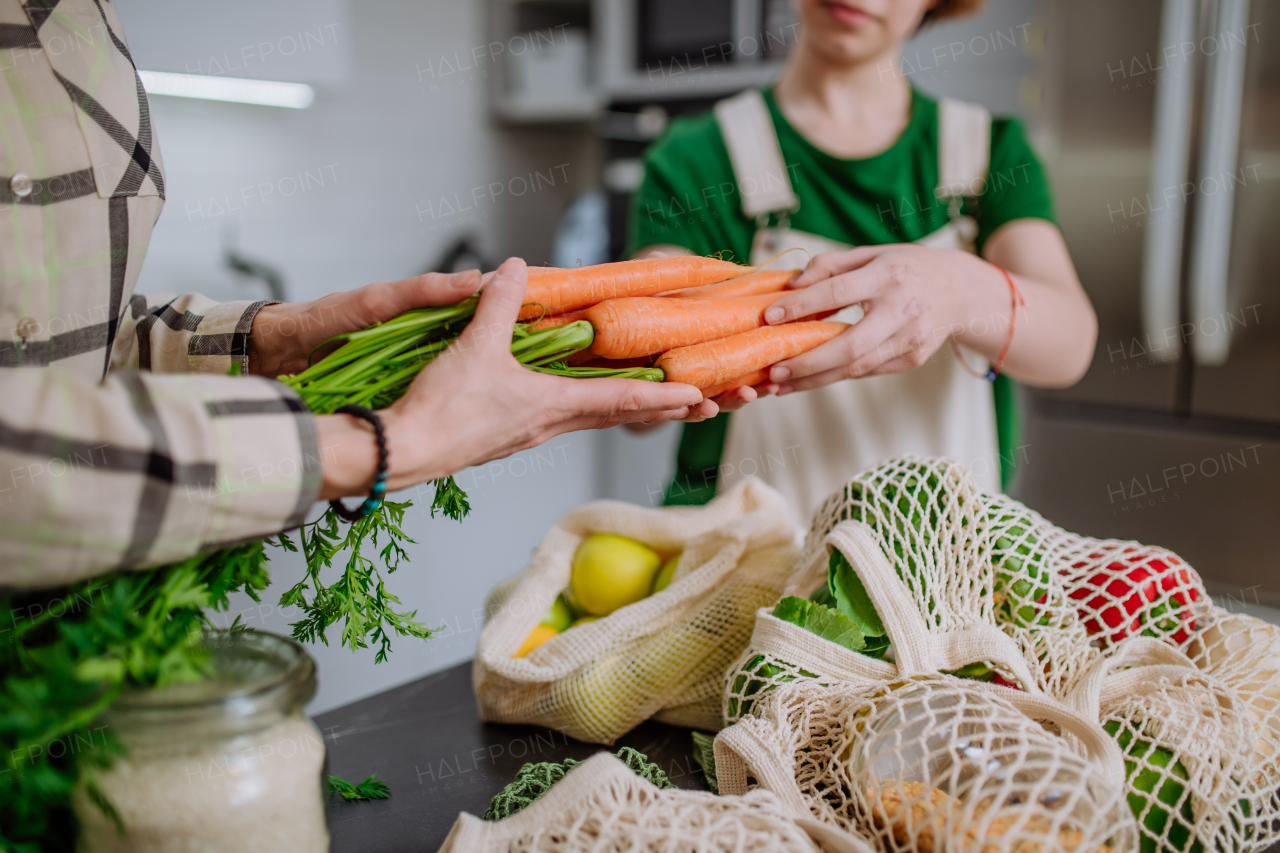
476, 403
285, 335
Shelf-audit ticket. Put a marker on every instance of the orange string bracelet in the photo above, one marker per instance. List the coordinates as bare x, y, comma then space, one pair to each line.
1015, 300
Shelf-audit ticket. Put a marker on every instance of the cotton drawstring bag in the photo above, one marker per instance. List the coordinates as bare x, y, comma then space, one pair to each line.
929, 763
662, 657
603, 806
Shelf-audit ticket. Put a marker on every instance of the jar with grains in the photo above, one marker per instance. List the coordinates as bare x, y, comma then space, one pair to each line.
225, 764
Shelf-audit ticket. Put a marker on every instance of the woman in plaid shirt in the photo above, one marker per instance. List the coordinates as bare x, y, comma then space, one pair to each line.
123, 440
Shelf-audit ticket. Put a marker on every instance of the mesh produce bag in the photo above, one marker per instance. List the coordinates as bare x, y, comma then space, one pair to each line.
602, 806
1244, 654
663, 656
912, 620
1198, 773
930, 763
916, 532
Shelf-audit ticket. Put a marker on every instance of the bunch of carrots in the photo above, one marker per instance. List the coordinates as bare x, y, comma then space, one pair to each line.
699, 321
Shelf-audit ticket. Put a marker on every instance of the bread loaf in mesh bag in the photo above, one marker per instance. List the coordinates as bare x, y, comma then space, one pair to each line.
930, 763
662, 657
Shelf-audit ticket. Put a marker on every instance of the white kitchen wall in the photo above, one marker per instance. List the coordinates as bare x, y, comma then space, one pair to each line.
396, 159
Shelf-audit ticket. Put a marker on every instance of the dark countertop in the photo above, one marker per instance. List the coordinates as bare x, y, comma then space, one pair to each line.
426, 740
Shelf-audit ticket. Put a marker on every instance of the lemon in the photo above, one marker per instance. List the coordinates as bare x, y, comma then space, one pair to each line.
559, 616
539, 635
610, 572
663, 578
584, 620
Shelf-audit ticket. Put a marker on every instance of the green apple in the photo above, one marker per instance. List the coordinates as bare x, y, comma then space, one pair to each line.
663, 578
583, 620
559, 616
612, 571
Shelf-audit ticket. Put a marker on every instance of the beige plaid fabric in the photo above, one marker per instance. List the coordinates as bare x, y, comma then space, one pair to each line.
108, 457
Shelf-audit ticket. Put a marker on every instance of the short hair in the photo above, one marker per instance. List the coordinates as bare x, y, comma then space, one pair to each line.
951, 9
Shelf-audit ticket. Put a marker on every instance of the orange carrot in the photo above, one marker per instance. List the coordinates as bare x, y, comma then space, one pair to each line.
751, 284
563, 290
717, 362
558, 320
642, 325
755, 377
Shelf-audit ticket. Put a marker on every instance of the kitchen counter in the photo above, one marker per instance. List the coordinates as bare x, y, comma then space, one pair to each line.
427, 741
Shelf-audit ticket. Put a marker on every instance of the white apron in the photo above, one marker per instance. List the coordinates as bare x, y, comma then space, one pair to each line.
808, 444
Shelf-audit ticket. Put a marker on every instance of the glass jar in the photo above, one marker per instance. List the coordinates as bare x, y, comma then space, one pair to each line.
226, 764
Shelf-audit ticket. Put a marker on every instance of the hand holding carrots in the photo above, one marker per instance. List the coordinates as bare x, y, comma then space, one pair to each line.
475, 403
285, 335
914, 299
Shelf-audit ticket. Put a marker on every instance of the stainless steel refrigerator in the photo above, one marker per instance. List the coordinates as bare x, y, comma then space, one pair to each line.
1162, 133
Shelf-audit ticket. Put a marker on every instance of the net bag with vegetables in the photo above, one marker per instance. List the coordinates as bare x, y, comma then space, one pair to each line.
627, 613
1126, 634
931, 763
922, 748
602, 805
926, 525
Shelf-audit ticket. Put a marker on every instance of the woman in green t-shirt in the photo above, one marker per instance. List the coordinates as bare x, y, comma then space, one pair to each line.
940, 199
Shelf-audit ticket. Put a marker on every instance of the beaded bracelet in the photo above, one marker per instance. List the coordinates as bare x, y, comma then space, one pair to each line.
379, 489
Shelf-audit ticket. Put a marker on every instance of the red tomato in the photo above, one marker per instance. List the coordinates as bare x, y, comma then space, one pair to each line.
1117, 600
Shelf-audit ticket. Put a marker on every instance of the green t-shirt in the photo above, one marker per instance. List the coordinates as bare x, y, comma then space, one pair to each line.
689, 198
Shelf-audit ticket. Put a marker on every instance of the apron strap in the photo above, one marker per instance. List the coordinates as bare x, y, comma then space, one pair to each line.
964, 148
758, 166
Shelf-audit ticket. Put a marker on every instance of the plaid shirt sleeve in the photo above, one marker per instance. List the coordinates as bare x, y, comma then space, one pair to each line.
144, 469
184, 334
123, 443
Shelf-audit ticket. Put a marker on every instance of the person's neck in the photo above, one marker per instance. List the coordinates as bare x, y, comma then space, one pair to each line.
851, 110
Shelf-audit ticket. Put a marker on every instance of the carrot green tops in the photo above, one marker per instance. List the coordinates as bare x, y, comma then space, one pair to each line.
689, 196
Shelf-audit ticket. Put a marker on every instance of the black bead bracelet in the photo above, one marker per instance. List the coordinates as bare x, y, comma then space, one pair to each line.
379, 489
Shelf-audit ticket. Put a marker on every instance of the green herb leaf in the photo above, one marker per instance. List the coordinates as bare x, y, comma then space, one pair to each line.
851, 596
450, 500
371, 788
358, 600
821, 620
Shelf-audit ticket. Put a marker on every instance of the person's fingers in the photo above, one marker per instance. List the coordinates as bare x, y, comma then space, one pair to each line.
846, 351
834, 263
627, 400
701, 412
816, 380
500, 301
830, 295
731, 401
387, 299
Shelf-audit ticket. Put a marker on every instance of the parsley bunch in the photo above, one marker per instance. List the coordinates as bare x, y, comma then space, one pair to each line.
66, 654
